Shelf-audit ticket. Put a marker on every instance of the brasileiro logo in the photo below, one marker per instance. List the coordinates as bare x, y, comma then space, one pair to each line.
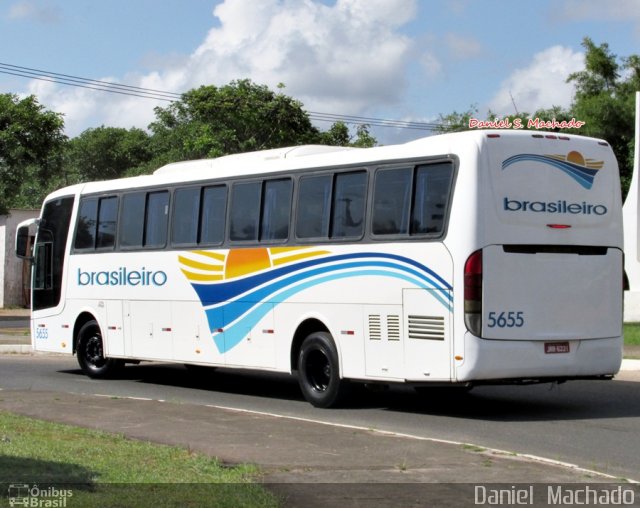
122, 276
559, 206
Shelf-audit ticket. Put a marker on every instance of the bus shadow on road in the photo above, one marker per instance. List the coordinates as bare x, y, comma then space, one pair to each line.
574, 400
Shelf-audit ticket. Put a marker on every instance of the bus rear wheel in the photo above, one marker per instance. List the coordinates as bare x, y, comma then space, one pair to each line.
90, 353
319, 371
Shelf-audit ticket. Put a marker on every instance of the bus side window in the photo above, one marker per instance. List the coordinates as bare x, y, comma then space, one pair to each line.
314, 206
391, 201
276, 210
86, 226
132, 220
245, 211
107, 222
349, 200
156, 219
184, 225
431, 195
212, 214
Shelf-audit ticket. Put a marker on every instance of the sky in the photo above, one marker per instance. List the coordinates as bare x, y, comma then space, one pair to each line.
409, 60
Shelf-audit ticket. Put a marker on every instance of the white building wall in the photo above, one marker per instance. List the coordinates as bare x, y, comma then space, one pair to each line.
11, 280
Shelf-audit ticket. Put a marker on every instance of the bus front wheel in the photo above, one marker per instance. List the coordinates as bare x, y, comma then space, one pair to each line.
90, 353
319, 371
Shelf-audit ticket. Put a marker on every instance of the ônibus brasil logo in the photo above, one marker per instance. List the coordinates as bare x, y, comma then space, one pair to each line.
574, 164
122, 277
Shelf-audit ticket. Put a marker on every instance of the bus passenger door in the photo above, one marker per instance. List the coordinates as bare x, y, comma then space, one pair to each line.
427, 347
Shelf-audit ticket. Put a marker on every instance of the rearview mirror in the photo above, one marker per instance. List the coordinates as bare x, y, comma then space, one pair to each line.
24, 240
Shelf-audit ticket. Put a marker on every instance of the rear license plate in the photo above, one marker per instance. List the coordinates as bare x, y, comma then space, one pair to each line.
551, 348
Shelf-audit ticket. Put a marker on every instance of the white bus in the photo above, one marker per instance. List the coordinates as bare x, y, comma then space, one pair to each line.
460, 259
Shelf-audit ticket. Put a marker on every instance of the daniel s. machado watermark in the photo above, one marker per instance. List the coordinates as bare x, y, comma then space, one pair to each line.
521, 123
557, 495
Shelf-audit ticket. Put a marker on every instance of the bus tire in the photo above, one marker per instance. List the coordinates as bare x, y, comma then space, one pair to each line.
90, 353
319, 371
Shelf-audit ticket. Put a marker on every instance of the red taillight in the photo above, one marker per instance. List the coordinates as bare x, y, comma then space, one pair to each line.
473, 293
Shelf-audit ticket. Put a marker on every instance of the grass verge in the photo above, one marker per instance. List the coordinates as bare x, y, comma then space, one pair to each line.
102, 469
632, 334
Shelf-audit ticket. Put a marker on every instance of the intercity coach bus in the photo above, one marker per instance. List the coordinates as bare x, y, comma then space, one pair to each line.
460, 259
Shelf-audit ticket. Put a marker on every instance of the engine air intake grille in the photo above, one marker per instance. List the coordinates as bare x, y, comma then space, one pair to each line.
426, 327
375, 330
393, 327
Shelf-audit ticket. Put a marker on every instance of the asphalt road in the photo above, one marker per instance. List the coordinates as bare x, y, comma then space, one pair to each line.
594, 424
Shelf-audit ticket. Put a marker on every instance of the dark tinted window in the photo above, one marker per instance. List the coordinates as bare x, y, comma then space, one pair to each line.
132, 222
392, 201
349, 198
245, 211
412, 201
314, 207
430, 198
212, 215
276, 206
186, 208
86, 225
155, 230
107, 222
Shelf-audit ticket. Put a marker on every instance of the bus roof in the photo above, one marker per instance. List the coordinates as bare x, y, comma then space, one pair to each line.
306, 157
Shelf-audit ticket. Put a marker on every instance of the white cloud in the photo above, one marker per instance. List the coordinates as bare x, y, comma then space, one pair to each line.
340, 58
34, 11
542, 84
618, 10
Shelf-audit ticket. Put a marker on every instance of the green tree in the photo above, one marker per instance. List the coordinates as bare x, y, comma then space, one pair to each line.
106, 152
456, 122
339, 135
606, 102
31, 145
239, 117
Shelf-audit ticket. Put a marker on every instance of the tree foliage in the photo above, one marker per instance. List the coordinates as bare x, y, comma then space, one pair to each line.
31, 144
240, 117
604, 100
106, 152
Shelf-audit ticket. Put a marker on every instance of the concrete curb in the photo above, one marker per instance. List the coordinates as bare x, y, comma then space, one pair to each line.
13, 349
630, 364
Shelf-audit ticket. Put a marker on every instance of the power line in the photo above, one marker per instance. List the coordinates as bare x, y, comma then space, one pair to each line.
92, 84
161, 95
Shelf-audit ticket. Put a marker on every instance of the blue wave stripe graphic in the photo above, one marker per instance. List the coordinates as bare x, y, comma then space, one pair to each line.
235, 333
221, 315
584, 176
224, 291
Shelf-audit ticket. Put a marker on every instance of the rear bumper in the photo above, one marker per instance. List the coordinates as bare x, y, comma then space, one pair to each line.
521, 360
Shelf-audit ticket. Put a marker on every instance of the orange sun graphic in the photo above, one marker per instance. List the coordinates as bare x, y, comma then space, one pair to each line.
243, 261
576, 158
209, 266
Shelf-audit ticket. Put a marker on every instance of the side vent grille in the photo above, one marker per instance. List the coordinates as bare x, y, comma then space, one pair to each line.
375, 330
379, 325
393, 327
426, 327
